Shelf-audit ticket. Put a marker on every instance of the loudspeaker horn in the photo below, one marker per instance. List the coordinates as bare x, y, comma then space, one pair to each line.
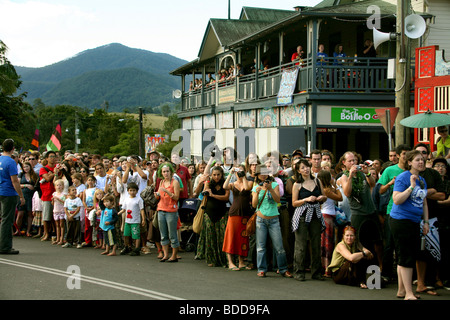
415, 26
380, 37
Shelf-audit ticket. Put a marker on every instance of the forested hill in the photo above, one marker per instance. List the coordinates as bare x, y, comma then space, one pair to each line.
122, 76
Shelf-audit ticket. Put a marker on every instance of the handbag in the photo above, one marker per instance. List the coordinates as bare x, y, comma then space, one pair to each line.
250, 228
197, 224
155, 220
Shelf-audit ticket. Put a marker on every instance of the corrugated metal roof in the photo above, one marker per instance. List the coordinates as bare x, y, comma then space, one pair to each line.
264, 14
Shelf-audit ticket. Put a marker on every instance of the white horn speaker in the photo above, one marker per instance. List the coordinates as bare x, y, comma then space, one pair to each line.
380, 37
415, 26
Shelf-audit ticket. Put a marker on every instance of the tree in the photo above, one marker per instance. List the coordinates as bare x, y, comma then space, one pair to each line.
9, 79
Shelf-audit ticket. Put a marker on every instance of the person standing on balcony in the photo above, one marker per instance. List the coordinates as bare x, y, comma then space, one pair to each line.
369, 50
321, 56
338, 55
297, 57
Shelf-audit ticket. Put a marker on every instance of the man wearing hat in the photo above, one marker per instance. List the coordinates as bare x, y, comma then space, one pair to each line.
9, 191
443, 144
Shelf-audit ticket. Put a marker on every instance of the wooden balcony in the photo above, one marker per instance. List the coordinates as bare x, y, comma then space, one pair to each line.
361, 75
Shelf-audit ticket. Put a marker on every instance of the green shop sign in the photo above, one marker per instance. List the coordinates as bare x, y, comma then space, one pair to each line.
361, 115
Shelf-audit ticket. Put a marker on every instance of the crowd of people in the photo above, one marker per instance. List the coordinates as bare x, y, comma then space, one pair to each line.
314, 213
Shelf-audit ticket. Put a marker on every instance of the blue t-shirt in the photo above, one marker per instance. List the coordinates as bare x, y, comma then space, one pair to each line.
8, 168
412, 208
322, 58
108, 215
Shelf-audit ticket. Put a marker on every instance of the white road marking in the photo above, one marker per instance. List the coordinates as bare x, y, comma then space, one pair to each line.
105, 283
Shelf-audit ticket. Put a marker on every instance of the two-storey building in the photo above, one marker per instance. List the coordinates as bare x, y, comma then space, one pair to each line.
332, 105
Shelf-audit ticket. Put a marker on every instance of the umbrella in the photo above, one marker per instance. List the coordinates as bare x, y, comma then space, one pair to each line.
427, 119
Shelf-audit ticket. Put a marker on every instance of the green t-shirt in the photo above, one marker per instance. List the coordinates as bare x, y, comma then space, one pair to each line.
388, 174
268, 206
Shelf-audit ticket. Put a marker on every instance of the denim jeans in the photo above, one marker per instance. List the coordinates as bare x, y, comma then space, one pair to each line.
272, 228
168, 227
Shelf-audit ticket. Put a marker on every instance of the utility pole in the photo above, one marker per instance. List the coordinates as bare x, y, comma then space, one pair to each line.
141, 140
77, 131
402, 74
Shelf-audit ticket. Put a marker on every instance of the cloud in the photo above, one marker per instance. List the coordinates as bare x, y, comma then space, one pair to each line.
49, 31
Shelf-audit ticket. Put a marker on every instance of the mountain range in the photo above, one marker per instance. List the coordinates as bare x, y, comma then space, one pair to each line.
122, 76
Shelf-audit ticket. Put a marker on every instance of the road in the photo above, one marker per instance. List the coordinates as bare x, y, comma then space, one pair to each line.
46, 272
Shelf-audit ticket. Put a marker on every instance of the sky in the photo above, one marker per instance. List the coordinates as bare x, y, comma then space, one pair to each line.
42, 32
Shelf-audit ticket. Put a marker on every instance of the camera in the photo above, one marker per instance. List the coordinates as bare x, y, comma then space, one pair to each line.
265, 181
205, 193
358, 167
42, 181
241, 174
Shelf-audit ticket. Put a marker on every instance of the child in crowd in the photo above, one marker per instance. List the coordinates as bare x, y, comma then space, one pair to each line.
72, 207
133, 207
37, 214
88, 203
58, 200
107, 222
97, 233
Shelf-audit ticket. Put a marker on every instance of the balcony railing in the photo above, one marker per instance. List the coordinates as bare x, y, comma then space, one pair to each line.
343, 75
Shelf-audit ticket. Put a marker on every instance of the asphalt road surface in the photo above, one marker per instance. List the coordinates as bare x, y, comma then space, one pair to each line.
43, 271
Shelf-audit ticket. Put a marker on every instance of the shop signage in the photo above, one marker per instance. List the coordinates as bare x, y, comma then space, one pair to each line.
359, 115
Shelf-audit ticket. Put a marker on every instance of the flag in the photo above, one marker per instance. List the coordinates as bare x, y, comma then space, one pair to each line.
35, 141
55, 140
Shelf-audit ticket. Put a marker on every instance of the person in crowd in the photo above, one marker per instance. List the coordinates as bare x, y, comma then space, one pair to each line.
350, 260
97, 233
251, 162
325, 165
235, 241
265, 199
212, 235
37, 215
102, 179
393, 157
386, 182
168, 194
426, 265
441, 165
107, 224
46, 176
328, 209
338, 55
307, 222
34, 159
9, 191
377, 165
316, 159
357, 183
200, 168
443, 143
72, 206
183, 173
59, 215
84, 175
27, 178
88, 203
410, 206
133, 208
286, 162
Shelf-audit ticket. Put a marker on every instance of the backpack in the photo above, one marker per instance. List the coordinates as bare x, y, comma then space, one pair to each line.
149, 198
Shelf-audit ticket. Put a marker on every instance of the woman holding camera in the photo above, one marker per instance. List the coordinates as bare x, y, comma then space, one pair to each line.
215, 220
265, 198
307, 197
236, 240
